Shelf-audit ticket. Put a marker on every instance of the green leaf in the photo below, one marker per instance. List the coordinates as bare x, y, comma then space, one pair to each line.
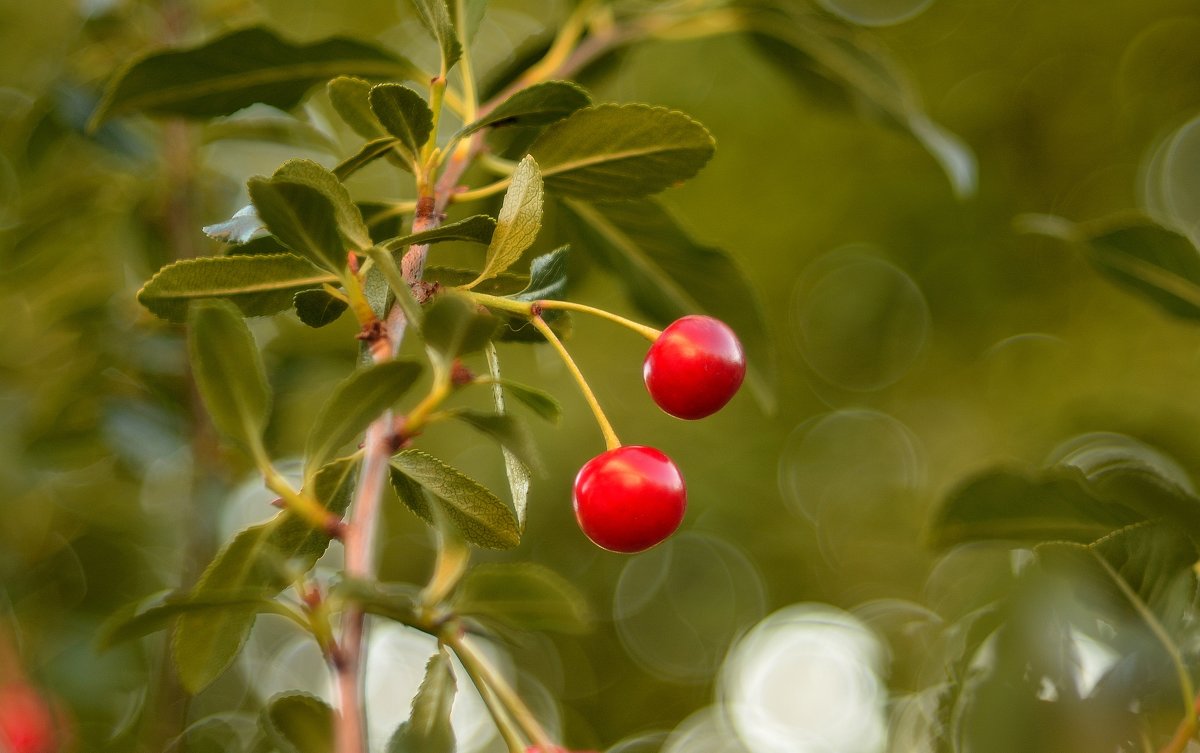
455, 326
519, 220
394, 601
371, 151
538, 105
480, 515
502, 284
156, 613
238, 69
1158, 264
302, 217
266, 556
817, 53
547, 277
257, 285
297, 722
317, 308
309, 173
515, 471
667, 274
264, 245
1025, 505
541, 403
428, 728
275, 127
405, 114
477, 228
471, 19
512, 434
621, 151
229, 372
350, 97
525, 596
436, 19
357, 401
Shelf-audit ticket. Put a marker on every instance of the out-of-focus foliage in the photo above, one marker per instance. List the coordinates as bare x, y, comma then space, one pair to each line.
929, 346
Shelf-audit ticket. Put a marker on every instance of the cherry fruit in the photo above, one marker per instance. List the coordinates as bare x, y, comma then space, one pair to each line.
27, 723
629, 499
694, 367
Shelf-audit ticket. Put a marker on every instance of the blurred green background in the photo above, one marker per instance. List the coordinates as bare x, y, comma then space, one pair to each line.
920, 338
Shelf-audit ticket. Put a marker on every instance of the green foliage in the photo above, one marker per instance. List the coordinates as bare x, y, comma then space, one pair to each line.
405, 115
228, 372
437, 19
537, 105
454, 326
301, 217
547, 277
298, 723
481, 517
512, 434
239, 69
518, 222
351, 99
317, 308
523, 596
428, 728
1157, 263
478, 228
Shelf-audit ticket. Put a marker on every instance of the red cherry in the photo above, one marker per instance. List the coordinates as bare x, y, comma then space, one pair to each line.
629, 499
27, 722
694, 367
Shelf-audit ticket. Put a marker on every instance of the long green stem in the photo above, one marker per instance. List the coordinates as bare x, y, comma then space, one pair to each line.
488, 680
482, 192
528, 309
610, 436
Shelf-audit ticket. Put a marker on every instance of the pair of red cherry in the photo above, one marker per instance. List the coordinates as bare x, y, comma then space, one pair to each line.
630, 498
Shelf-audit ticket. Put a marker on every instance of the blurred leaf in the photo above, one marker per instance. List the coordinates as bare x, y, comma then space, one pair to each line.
621, 151
371, 151
455, 326
309, 173
156, 613
297, 722
265, 556
396, 602
258, 285
350, 97
428, 728
807, 47
668, 275
512, 434
540, 402
436, 19
239, 69
519, 220
228, 371
525, 596
477, 228
1150, 260
501, 284
1026, 506
317, 308
547, 277
471, 19
241, 228
275, 128
480, 515
404, 114
515, 471
302, 217
538, 105
356, 402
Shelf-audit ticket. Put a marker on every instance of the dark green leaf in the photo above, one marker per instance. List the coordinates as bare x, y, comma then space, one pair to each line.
309, 173
317, 308
668, 275
525, 596
541, 403
540, 104
448, 277
547, 277
621, 151
477, 228
515, 471
1026, 506
1157, 263
512, 434
296, 722
228, 371
480, 515
350, 97
371, 151
265, 556
238, 69
405, 114
258, 285
455, 326
302, 218
264, 245
428, 728
156, 613
519, 220
396, 602
436, 18
355, 402
271, 126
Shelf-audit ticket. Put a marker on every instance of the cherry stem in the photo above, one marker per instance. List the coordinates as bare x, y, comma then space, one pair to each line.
649, 333
488, 680
610, 436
